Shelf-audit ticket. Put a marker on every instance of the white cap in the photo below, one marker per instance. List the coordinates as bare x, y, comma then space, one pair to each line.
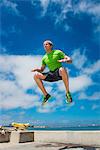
48, 41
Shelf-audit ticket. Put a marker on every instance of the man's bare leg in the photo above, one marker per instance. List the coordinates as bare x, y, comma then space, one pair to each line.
65, 79
37, 77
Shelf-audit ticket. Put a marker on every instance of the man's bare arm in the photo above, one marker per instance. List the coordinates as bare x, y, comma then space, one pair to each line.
39, 69
66, 59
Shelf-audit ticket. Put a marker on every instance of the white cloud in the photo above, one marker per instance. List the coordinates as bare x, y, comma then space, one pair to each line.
65, 7
13, 93
5, 119
3, 50
13, 30
49, 88
16, 78
93, 68
94, 96
12, 96
10, 6
44, 4
97, 30
82, 107
45, 110
77, 83
80, 82
89, 7
97, 34
54, 103
21, 67
67, 108
95, 106
79, 59
66, 27
93, 9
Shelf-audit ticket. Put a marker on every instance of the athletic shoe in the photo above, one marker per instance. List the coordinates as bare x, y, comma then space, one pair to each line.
45, 99
69, 97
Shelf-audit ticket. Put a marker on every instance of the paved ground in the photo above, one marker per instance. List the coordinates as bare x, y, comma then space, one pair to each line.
44, 146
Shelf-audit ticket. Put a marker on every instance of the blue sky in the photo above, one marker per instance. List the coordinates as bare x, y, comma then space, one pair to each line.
74, 27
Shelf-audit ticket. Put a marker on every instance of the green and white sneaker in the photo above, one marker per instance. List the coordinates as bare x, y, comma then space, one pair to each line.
69, 97
45, 99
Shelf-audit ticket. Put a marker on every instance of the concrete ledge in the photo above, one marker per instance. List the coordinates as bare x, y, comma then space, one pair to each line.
89, 138
5, 137
74, 137
21, 136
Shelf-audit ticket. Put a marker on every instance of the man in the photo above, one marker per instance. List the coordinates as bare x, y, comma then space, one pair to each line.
52, 59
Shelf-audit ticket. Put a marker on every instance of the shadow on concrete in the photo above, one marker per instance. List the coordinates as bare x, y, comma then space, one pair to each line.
66, 146
76, 146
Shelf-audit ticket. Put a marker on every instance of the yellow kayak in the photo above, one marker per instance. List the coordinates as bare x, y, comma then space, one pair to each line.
20, 125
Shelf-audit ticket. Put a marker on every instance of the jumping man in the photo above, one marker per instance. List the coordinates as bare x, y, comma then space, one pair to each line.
53, 60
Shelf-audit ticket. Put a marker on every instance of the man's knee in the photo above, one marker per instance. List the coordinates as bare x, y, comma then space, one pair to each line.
36, 75
62, 71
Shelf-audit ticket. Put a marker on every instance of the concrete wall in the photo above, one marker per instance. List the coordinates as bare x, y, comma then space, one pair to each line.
5, 137
91, 138
75, 137
22, 136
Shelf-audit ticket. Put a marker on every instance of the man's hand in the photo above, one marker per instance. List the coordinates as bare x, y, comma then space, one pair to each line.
39, 69
33, 70
66, 59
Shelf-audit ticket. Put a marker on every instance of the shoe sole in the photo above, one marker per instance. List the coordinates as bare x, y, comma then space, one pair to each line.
69, 102
46, 101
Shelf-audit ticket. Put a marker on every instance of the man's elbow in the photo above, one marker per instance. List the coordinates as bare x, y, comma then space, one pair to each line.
71, 61
42, 69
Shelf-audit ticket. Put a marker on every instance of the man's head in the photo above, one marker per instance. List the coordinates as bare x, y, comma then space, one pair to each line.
47, 45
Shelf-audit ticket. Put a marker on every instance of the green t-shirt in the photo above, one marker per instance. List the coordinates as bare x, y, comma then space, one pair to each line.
51, 59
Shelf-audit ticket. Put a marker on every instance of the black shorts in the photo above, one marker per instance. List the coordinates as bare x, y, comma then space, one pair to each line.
52, 76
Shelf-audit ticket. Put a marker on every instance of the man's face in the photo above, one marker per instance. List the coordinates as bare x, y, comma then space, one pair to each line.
47, 46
